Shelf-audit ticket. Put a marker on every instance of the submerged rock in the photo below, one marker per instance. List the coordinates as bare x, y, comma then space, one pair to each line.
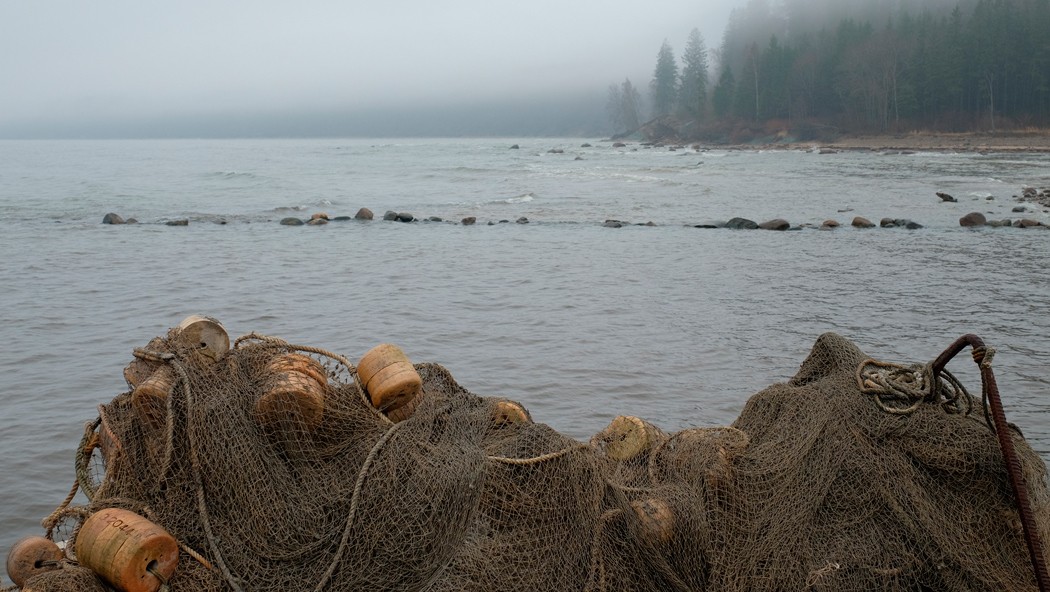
112, 218
973, 219
741, 224
182, 222
317, 222
775, 224
469, 220
522, 220
291, 222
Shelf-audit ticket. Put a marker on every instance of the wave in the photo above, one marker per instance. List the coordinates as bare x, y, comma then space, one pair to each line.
232, 175
524, 198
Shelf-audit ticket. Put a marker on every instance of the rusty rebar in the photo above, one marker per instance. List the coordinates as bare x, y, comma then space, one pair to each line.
994, 405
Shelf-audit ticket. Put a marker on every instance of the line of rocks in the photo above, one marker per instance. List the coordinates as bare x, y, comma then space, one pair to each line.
973, 219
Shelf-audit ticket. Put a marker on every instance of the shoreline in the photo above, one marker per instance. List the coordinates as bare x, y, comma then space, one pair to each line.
935, 142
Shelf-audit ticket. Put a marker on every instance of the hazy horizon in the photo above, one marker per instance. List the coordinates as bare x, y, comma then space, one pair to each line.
130, 69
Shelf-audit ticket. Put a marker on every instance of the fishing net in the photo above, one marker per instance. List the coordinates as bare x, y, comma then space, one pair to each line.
853, 475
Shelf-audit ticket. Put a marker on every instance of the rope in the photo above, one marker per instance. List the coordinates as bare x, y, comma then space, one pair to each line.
163, 580
537, 459
202, 505
901, 390
88, 443
354, 500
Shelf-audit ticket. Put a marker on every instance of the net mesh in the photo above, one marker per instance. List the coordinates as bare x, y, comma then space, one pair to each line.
847, 477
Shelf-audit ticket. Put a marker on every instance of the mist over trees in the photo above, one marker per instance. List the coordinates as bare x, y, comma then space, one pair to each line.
823, 66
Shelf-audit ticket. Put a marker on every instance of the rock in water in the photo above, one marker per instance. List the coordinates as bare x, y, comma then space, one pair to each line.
973, 219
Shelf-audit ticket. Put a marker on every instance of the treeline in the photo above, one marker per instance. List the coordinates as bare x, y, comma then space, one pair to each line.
980, 65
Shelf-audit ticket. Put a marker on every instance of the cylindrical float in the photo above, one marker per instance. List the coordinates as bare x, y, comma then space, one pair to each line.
295, 390
31, 556
508, 412
140, 369
655, 519
390, 380
628, 437
150, 398
204, 335
126, 550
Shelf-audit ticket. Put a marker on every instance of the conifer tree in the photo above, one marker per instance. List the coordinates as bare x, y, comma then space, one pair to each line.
693, 92
664, 85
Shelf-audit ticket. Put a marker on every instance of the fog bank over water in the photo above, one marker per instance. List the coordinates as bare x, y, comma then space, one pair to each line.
274, 68
564, 116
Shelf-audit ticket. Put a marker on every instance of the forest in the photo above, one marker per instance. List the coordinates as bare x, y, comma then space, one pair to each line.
855, 66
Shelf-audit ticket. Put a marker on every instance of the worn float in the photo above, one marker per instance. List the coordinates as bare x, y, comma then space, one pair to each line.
263, 465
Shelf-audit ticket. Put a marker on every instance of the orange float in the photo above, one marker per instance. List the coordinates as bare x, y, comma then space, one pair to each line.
31, 556
296, 387
508, 412
150, 397
126, 550
655, 519
392, 383
627, 437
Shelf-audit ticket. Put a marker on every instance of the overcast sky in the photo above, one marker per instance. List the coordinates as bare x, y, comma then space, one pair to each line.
75, 60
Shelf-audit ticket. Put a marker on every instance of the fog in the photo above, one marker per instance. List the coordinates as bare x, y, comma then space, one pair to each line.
267, 67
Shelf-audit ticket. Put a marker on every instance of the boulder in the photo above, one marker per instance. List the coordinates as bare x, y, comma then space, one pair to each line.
341, 219
469, 220
319, 216
649, 223
910, 225
291, 222
112, 218
741, 224
862, 222
182, 222
363, 214
515, 147
830, 224
134, 221
1029, 223
775, 224
404, 217
585, 145
619, 145
317, 222
973, 219
1018, 209
945, 197
390, 216
613, 224
435, 219
522, 220
709, 225
888, 223
555, 151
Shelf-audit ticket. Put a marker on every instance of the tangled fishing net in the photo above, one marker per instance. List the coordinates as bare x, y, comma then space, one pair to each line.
854, 475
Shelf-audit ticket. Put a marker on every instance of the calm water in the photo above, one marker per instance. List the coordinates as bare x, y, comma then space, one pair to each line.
579, 322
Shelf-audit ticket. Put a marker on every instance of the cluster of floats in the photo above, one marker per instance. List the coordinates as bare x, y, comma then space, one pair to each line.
130, 553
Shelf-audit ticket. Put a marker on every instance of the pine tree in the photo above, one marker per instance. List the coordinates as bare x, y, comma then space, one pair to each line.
722, 97
693, 91
664, 85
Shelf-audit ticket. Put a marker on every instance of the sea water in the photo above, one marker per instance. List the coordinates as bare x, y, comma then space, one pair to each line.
577, 321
